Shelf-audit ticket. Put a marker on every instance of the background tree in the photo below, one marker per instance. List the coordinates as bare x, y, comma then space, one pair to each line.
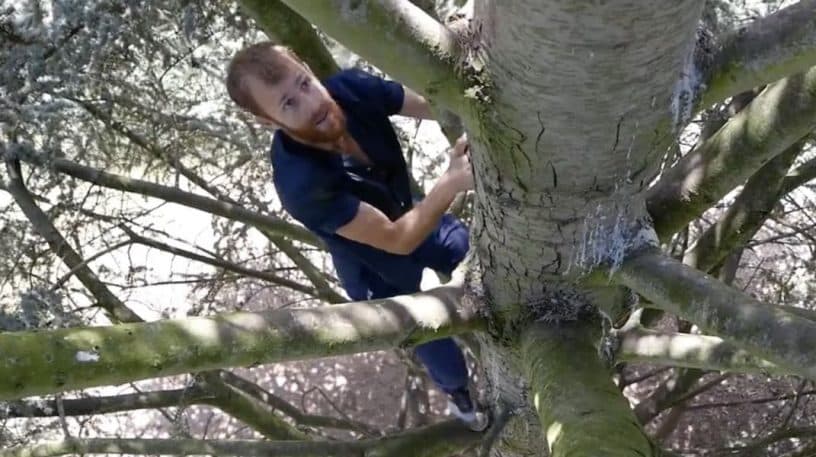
629, 157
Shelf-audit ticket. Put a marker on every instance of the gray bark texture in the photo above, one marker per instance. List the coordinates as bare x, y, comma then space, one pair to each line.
576, 109
580, 115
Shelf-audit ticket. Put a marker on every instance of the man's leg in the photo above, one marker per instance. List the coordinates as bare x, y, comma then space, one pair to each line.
352, 277
445, 363
446, 248
443, 251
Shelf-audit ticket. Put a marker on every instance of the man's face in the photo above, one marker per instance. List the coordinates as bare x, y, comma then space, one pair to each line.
299, 104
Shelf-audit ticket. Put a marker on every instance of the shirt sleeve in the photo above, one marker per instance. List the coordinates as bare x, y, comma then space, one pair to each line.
389, 95
322, 206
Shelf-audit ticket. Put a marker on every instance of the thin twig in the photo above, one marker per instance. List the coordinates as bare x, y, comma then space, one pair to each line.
59, 282
61, 412
329, 400
645, 376
700, 389
754, 401
795, 405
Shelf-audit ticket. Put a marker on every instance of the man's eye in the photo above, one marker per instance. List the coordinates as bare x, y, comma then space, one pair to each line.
304, 84
288, 103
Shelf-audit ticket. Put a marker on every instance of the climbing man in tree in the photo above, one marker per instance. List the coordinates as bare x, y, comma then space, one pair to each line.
338, 168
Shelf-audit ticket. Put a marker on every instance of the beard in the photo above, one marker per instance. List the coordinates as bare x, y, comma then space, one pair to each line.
328, 131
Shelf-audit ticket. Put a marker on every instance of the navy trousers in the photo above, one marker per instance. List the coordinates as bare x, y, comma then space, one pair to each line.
366, 278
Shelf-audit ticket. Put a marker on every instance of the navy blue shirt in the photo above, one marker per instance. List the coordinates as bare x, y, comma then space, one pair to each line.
323, 190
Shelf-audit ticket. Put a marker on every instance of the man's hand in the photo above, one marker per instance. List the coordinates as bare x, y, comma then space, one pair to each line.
459, 171
370, 226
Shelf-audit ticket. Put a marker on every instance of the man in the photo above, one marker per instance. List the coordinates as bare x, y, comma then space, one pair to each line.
338, 169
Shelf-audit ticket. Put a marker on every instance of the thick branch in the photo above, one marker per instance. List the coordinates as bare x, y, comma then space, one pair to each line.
250, 411
439, 440
801, 312
778, 117
118, 311
799, 176
690, 351
767, 332
286, 27
185, 447
429, 7
768, 49
745, 216
582, 412
239, 407
104, 405
290, 410
397, 37
170, 194
222, 395
760, 445
669, 394
676, 391
229, 400
65, 359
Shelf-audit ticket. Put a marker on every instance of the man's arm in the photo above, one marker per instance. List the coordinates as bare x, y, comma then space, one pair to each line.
415, 105
370, 226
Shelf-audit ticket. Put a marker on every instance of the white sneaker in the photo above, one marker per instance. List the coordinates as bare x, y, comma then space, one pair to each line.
476, 420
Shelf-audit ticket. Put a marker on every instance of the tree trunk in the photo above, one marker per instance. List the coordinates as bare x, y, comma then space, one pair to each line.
576, 126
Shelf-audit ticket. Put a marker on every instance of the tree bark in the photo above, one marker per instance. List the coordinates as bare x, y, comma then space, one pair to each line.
583, 413
408, 43
690, 351
439, 440
777, 118
799, 176
558, 170
768, 49
745, 216
54, 361
286, 27
103, 405
549, 154
768, 332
